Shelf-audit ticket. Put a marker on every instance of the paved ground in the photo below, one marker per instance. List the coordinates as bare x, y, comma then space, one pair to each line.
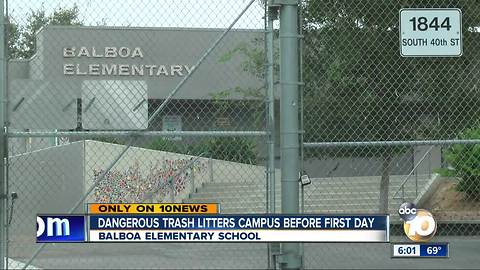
464, 253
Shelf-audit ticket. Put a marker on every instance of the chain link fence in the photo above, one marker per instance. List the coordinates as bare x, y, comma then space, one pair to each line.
134, 101
381, 129
165, 101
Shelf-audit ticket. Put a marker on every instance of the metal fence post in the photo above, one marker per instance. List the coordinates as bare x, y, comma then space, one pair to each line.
210, 169
3, 182
172, 189
192, 177
430, 164
270, 13
289, 125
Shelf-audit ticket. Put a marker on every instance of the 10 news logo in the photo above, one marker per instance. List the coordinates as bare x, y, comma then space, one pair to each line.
69, 228
418, 224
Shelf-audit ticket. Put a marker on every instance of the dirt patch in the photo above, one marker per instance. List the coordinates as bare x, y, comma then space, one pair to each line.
448, 204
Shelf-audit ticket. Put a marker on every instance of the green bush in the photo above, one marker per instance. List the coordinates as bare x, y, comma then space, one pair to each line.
113, 140
162, 144
231, 149
465, 164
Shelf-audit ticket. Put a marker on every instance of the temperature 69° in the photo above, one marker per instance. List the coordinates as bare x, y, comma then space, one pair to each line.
433, 250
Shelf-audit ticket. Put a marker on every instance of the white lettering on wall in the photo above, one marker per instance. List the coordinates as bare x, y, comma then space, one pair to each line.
115, 69
124, 52
110, 52
83, 52
137, 52
68, 69
94, 53
94, 69
69, 52
106, 52
109, 70
123, 70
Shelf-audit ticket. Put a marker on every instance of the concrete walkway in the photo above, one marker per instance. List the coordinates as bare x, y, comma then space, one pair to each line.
464, 253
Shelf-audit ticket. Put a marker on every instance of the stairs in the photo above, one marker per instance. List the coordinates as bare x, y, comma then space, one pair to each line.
340, 195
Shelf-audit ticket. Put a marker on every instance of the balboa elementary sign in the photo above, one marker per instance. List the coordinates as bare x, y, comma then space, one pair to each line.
114, 69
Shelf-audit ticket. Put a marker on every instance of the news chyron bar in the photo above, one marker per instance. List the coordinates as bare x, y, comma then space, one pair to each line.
420, 227
204, 223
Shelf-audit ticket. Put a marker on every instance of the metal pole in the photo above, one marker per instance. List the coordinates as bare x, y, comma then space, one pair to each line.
192, 181
389, 143
3, 103
302, 129
210, 169
271, 14
172, 189
430, 163
271, 109
139, 133
289, 132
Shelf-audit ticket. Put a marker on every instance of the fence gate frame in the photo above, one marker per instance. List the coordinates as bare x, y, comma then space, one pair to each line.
268, 133
3, 143
430, 141
292, 130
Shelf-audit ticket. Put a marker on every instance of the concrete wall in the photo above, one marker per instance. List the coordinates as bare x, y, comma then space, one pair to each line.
356, 166
18, 69
432, 160
160, 46
45, 93
46, 181
53, 179
233, 172
150, 164
402, 164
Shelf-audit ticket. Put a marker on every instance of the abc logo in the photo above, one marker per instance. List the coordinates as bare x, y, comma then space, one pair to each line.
419, 224
407, 211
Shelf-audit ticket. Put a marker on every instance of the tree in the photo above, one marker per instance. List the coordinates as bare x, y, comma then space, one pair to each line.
465, 160
21, 39
358, 88
13, 40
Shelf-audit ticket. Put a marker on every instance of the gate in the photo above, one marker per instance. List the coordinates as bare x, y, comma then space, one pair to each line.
381, 129
175, 101
128, 101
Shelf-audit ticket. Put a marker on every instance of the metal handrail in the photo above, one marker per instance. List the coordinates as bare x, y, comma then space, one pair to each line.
402, 186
